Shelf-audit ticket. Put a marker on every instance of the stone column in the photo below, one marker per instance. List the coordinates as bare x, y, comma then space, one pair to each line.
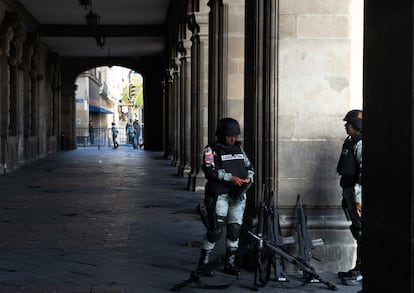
164, 88
52, 86
11, 91
198, 24
234, 60
185, 105
259, 140
21, 69
151, 70
67, 114
181, 109
170, 112
176, 63
173, 97
32, 107
217, 86
388, 190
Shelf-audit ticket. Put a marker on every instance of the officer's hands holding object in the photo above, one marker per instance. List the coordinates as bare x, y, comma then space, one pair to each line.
242, 186
238, 181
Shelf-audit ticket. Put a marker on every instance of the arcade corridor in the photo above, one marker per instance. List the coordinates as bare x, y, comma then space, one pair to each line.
284, 69
106, 221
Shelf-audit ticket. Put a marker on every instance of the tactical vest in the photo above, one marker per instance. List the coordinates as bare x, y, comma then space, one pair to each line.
231, 159
348, 167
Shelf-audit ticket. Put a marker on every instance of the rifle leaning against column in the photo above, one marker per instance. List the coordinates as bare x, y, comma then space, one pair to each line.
296, 261
306, 245
266, 246
275, 235
259, 279
269, 228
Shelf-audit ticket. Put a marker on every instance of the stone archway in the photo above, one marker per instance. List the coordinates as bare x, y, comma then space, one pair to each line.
151, 69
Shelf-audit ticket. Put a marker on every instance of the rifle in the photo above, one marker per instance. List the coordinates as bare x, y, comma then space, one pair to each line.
306, 245
298, 262
275, 247
345, 208
258, 280
238, 192
275, 236
269, 228
204, 270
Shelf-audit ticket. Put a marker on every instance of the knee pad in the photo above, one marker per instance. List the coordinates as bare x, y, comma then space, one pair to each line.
233, 231
213, 235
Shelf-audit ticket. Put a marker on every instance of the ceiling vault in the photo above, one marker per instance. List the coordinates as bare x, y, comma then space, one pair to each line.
76, 28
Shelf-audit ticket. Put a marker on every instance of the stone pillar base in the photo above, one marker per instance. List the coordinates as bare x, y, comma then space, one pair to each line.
184, 170
196, 182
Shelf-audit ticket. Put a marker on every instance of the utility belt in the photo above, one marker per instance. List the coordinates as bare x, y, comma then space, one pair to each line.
207, 210
218, 187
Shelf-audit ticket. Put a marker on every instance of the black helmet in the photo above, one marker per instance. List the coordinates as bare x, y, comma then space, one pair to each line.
227, 126
354, 117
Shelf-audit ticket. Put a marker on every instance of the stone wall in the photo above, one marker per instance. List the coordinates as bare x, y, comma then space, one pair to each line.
25, 95
319, 80
235, 60
315, 51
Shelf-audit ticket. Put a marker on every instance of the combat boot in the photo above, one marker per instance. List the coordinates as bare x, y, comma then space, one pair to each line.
203, 260
349, 274
354, 280
230, 266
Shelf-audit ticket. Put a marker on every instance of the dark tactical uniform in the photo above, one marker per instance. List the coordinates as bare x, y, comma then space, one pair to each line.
350, 169
223, 201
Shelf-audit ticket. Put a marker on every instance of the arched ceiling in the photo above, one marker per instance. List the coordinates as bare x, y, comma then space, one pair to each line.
126, 28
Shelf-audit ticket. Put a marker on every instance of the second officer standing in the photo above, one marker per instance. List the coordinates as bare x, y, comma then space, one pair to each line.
350, 169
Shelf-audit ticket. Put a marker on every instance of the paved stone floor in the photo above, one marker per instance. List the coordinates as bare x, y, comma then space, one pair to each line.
107, 221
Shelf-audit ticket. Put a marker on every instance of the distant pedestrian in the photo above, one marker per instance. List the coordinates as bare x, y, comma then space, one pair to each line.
129, 130
114, 135
91, 133
137, 133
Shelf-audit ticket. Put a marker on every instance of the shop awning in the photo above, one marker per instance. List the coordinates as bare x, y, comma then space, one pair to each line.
99, 110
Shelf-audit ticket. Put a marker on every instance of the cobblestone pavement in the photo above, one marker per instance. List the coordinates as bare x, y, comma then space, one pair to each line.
107, 221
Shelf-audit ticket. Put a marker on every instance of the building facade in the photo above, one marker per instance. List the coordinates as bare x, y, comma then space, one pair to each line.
287, 70
297, 84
